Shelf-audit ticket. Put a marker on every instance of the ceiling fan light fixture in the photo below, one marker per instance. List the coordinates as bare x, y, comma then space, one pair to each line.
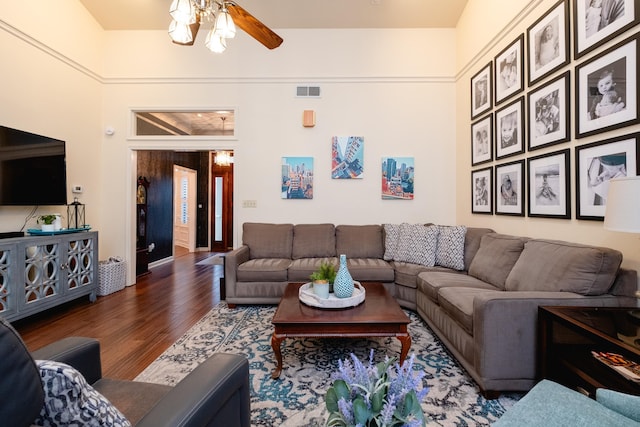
183, 11
187, 15
215, 43
225, 27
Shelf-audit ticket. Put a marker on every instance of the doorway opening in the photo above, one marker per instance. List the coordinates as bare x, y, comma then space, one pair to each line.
221, 201
182, 199
184, 209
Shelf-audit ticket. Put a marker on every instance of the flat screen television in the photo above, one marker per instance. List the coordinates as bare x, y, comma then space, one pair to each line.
32, 169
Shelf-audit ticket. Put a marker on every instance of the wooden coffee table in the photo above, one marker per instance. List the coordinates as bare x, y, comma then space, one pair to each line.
379, 315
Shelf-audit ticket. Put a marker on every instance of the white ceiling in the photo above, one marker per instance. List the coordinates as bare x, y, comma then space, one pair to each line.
154, 14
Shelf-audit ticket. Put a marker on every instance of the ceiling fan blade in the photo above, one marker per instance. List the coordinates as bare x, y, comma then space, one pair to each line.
256, 29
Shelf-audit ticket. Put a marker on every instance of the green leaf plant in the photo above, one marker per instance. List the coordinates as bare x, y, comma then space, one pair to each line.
325, 273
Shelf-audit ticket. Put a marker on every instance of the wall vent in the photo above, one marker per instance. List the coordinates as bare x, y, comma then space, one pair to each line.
308, 91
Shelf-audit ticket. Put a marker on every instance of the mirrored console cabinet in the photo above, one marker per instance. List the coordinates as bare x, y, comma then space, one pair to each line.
40, 272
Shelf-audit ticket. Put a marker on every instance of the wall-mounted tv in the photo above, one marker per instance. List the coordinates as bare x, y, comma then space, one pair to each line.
32, 169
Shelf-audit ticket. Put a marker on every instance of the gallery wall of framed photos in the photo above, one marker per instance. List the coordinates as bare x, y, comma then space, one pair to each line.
554, 114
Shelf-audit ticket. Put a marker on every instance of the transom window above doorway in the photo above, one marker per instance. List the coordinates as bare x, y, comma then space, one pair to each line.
219, 123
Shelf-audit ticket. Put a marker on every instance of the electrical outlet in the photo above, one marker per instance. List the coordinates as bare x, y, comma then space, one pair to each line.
249, 203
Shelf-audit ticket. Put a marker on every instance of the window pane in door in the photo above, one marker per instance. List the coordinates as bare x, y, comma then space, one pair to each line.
217, 208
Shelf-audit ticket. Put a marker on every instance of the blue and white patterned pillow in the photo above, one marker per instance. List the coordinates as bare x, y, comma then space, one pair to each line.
450, 252
71, 402
417, 244
391, 239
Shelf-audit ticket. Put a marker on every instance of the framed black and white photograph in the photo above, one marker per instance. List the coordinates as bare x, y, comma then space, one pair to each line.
481, 188
548, 42
510, 188
510, 129
481, 91
508, 70
549, 185
596, 164
548, 113
481, 140
598, 21
607, 89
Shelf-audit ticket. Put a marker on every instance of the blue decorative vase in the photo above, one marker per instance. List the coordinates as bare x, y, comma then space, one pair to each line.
343, 283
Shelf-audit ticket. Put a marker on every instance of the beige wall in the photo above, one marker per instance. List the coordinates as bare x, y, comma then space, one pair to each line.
390, 91
51, 86
403, 90
396, 88
488, 30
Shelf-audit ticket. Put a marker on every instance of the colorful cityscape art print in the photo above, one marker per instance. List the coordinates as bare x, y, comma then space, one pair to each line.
297, 178
347, 157
397, 178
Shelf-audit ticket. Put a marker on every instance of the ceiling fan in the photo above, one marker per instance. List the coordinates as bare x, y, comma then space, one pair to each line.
225, 15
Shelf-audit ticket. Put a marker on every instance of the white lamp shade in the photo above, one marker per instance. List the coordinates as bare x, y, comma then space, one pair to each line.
183, 11
224, 26
215, 43
180, 33
623, 205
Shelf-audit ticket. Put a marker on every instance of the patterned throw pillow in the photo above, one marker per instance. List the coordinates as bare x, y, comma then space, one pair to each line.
417, 244
450, 252
70, 401
391, 239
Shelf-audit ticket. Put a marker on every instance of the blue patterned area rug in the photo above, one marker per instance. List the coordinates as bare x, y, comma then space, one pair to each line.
297, 397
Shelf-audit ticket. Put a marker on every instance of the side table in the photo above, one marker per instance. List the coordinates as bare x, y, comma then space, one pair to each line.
568, 335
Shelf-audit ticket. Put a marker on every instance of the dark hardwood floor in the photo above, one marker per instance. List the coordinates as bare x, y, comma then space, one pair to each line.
134, 325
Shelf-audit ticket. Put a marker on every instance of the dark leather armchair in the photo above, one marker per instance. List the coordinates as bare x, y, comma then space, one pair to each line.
215, 393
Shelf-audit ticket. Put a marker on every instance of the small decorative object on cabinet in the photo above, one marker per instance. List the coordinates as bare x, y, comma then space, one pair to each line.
76, 215
142, 250
47, 222
343, 283
40, 272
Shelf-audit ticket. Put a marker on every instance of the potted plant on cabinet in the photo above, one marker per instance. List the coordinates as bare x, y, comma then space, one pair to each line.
322, 279
47, 222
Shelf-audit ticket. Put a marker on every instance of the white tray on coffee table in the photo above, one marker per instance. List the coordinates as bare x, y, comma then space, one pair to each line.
308, 297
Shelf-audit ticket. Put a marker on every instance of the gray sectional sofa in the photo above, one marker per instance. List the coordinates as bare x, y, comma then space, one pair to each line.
478, 290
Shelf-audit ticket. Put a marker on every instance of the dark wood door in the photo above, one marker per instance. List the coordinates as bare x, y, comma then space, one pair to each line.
222, 207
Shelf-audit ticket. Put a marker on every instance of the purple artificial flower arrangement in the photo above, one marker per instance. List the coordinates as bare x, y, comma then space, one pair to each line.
377, 395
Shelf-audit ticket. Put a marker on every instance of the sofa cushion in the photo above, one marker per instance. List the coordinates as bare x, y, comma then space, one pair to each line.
551, 404
119, 393
622, 403
20, 376
407, 273
314, 241
472, 238
457, 302
268, 240
552, 265
263, 270
417, 244
300, 269
71, 401
496, 257
359, 241
450, 250
370, 270
430, 282
391, 240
